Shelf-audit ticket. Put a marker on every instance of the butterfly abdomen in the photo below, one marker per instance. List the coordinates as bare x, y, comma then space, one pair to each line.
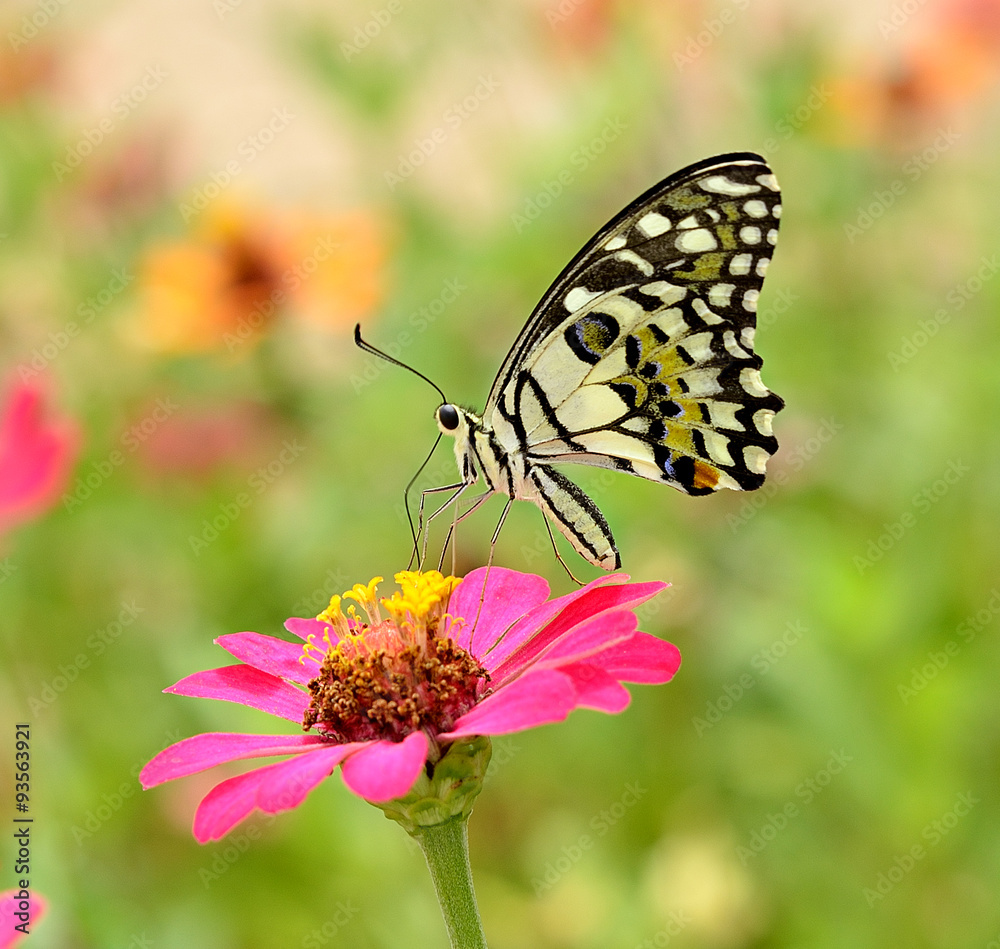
577, 517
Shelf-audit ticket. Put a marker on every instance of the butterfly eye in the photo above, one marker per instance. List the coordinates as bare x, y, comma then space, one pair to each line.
447, 416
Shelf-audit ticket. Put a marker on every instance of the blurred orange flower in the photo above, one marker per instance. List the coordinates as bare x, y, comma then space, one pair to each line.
240, 268
36, 456
24, 71
955, 59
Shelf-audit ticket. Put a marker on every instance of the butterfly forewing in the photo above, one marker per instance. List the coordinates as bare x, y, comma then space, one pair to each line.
640, 356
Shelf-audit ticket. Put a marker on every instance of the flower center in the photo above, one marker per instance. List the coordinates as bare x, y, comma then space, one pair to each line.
386, 678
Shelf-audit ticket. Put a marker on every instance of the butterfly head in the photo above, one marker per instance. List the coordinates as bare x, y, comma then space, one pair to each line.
449, 418
455, 421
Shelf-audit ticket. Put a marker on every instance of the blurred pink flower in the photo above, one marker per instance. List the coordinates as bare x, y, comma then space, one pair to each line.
36, 456
382, 696
12, 908
197, 443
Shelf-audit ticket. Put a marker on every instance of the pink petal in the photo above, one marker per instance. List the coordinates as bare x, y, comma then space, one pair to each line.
272, 655
538, 630
36, 456
596, 689
386, 769
304, 627
507, 596
493, 653
246, 686
226, 805
585, 640
536, 698
205, 751
640, 658
273, 788
11, 903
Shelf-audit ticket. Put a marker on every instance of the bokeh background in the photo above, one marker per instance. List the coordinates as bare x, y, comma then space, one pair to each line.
199, 199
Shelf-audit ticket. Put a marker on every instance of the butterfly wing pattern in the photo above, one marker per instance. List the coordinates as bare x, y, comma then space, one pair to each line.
640, 355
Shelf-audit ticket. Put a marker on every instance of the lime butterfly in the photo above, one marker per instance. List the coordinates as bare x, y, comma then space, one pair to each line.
638, 358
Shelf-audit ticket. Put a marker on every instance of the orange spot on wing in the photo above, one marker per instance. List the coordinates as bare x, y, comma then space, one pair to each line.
705, 476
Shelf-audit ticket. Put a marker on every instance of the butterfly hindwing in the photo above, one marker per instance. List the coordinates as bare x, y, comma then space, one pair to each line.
640, 356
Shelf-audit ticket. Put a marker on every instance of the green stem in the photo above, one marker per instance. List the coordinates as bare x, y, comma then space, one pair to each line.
446, 849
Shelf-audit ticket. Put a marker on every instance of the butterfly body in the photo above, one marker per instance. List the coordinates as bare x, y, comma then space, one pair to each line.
639, 357
507, 469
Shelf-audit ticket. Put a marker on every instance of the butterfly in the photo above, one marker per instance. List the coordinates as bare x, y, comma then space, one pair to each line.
638, 358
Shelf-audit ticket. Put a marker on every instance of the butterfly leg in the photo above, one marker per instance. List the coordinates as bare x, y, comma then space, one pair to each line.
555, 550
476, 504
489, 566
423, 526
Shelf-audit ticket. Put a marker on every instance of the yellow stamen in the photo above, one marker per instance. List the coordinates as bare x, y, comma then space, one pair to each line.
311, 646
419, 594
335, 617
366, 597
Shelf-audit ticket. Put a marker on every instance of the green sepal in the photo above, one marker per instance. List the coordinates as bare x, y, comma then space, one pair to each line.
448, 792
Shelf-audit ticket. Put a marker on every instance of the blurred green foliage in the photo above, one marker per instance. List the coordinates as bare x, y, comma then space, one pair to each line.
821, 723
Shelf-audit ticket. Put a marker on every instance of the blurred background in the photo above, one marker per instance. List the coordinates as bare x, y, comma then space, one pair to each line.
198, 200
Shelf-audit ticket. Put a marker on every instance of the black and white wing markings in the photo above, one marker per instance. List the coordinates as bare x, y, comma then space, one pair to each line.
640, 356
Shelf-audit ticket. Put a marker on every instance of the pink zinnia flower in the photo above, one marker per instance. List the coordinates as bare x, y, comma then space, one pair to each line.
385, 696
17, 910
35, 457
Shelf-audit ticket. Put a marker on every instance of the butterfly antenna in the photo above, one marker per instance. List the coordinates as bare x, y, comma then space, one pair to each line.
368, 348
